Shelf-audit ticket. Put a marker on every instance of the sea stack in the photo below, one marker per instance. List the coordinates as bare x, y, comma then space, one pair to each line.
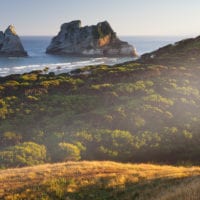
10, 43
96, 40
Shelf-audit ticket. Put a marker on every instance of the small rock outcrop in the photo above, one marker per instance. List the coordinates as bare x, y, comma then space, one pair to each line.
96, 40
10, 43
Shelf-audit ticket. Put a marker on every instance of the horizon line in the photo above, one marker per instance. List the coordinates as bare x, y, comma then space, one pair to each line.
175, 35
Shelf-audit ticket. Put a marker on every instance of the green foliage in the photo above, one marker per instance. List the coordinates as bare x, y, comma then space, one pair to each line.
32, 98
68, 152
12, 83
107, 144
159, 100
101, 86
25, 154
3, 109
130, 112
50, 83
29, 77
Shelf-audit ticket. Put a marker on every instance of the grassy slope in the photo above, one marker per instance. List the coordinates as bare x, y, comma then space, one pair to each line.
157, 107
100, 180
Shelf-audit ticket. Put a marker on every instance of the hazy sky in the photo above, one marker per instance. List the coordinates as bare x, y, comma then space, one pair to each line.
127, 17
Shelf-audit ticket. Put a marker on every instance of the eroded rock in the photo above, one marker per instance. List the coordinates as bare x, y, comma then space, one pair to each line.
96, 40
10, 43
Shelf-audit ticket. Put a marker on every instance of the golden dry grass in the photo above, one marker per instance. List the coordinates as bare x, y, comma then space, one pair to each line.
75, 179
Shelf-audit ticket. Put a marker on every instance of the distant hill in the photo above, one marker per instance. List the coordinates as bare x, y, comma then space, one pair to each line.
183, 52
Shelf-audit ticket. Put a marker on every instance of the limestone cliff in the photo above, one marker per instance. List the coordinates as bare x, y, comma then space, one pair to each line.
10, 43
96, 40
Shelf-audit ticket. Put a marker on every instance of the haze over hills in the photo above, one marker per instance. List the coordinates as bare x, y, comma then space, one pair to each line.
100, 112
81, 118
141, 111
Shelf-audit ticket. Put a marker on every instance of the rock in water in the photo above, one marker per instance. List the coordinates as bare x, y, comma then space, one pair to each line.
96, 40
10, 43
1, 38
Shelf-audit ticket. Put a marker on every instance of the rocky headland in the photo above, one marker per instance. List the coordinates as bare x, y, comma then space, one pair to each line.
10, 43
184, 52
96, 40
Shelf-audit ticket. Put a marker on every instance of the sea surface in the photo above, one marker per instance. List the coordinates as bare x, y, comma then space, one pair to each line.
38, 60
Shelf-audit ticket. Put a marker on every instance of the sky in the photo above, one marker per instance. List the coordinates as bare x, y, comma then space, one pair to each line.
127, 17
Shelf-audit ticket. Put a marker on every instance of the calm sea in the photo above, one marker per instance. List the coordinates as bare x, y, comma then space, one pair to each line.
35, 46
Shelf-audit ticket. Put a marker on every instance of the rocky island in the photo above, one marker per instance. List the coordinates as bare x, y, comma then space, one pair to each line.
96, 40
10, 43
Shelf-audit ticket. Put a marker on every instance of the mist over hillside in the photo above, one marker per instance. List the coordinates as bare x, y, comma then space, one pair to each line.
132, 112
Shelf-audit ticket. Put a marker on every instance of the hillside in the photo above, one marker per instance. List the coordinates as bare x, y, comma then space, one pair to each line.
130, 112
182, 53
100, 181
133, 112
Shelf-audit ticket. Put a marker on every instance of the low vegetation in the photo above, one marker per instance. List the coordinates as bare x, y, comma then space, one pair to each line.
100, 181
128, 113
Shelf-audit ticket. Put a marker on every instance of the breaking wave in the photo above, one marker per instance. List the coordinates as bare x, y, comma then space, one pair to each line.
60, 67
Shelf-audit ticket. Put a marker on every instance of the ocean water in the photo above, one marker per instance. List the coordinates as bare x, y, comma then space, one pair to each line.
37, 59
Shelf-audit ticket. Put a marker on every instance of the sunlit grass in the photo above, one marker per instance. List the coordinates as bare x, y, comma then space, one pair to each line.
81, 180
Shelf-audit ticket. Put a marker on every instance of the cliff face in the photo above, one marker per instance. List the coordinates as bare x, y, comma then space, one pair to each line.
10, 43
96, 40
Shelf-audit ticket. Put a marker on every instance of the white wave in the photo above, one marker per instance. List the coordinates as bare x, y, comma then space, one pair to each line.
57, 67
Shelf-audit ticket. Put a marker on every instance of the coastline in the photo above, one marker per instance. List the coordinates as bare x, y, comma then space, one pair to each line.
38, 60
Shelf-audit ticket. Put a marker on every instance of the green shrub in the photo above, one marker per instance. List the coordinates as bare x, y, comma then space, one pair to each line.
3, 109
107, 144
67, 151
12, 83
25, 154
29, 77
50, 83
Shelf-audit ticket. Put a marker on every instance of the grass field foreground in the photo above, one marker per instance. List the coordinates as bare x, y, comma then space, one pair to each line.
100, 180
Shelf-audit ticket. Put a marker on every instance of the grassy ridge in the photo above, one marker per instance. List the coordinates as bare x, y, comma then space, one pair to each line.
100, 180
